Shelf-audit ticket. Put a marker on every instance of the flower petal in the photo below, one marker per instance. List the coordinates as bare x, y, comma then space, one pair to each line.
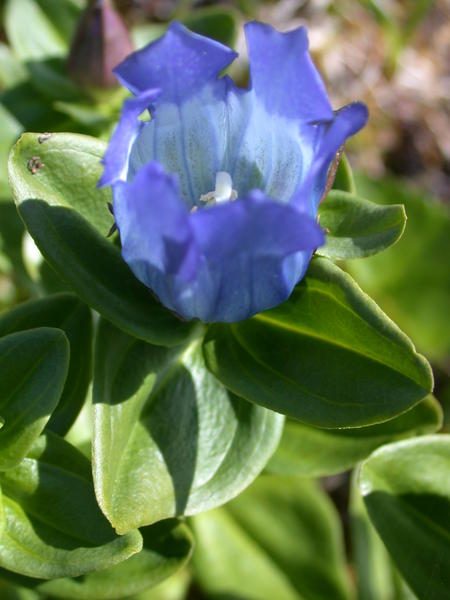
283, 75
188, 139
180, 63
347, 121
119, 148
255, 226
153, 224
244, 245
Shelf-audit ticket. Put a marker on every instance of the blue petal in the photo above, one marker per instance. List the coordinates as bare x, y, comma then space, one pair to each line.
347, 121
283, 75
118, 151
245, 245
189, 139
154, 226
249, 255
271, 152
180, 64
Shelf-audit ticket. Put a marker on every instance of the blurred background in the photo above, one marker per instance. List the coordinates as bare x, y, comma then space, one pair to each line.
56, 58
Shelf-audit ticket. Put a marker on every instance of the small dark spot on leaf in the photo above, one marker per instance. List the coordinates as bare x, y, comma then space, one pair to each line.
44, 137
34, 165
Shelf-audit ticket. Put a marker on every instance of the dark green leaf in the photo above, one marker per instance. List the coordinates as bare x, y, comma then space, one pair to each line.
65, 312
54, 527
168, 438
33, 369
328, 356
356, 227
216, 22
376, 576
167, 547
77, 251
280, 539
11, 237
406, 490
312, 452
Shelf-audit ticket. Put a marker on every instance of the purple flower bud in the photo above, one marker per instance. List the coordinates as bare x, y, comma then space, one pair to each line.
100, 43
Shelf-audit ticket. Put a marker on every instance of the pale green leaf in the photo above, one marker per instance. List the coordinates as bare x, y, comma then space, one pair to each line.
168, 438
54, 527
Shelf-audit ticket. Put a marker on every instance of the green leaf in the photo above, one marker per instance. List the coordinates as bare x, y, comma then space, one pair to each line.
159, 416
69, 175
12, 71
68, 218
376, 576
356, 227
280, 539
10, 130
167, 547
328, 356
11, 237
216, 22
411, 280
37, 30
406, 490
33, 369
54, 527
312, 452
13, 592
344, 177
65, 312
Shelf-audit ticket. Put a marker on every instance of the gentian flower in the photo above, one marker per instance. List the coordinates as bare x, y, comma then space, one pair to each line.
216, 195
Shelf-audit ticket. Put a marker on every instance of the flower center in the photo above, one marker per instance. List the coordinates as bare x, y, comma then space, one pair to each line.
223, 192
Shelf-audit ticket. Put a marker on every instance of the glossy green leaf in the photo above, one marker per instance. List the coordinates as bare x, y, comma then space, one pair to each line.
328, 356
54, 527
65, 312
312, 452
68, 218
168, 438
406, 490
167, 547
376, 576
280, 539
356, 227
33, 369
411, 280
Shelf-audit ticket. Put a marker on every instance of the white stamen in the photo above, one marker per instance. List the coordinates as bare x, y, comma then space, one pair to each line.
224, 186
223, 192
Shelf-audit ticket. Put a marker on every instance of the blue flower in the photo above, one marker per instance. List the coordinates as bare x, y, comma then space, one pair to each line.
216, 196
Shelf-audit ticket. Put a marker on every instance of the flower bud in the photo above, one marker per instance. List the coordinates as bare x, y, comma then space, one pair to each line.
100, 43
